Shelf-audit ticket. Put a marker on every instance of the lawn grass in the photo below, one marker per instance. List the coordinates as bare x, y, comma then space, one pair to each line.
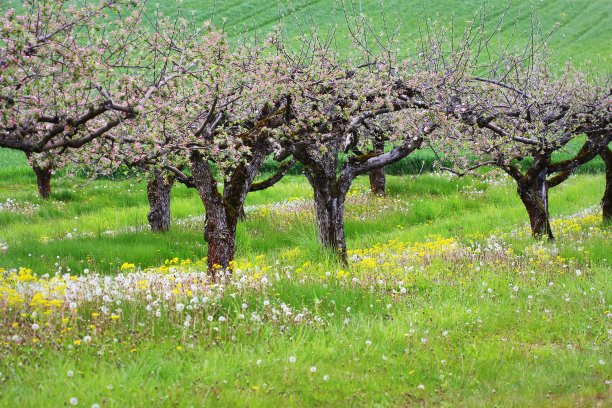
528, 326
447, 301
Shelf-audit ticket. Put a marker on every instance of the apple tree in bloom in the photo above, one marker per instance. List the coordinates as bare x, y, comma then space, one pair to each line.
357, 113
213, 128
70, 74
520, 115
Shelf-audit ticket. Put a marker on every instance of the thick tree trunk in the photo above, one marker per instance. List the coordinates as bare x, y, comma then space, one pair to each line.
223, 210
378, 182
221, 220
606, 201
329, 210
220, 230
534, 194
43, 179
377, 176
158, 193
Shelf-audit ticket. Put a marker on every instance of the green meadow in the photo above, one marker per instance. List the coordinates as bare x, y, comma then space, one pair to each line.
447, 300
418, 318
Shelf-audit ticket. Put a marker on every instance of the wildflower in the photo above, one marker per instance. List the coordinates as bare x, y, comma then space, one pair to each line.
313, 369
578, 272
602, 361
35, 326
421, 387
74, 401
326, 377
368, 343
72, 305
70, 373
222, 318
292, 359
180, 307
114, 317
259, 362
515, 288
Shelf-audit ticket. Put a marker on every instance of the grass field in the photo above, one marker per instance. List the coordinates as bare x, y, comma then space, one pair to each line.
447, 300
583, 33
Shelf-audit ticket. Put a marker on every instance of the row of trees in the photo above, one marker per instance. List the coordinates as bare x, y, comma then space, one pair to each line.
110, 85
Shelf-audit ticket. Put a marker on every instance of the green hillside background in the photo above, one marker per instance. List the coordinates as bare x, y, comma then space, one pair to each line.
584, 33
583, 36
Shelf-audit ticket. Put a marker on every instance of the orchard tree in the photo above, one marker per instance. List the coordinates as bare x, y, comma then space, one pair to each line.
214, 128
72, 73
355, 114
520, 116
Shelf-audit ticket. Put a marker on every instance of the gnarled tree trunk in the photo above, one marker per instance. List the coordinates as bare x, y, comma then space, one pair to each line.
534, 194
329, 209
606, 201
377, 176
220, 231
221, 219
158, 193
43, 173
223, 209
43, 180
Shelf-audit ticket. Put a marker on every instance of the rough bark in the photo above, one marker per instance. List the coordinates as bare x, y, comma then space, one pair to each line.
377, 176
606, 201
43, 180
220, 227
158, 193
223, 209
329, 201
330, 189
534, 194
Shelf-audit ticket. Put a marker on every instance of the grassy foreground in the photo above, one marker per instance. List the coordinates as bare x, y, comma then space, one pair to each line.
447, 300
